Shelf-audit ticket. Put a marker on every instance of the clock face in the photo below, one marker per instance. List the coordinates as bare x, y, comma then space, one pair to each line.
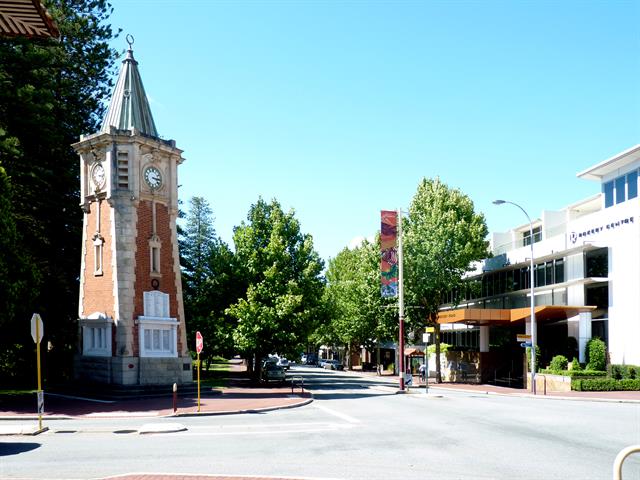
153, 177
98, 175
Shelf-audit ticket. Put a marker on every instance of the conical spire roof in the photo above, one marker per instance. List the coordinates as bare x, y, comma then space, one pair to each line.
129, 107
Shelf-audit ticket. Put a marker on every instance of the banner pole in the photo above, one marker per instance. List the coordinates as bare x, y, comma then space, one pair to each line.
39, 372
401, 301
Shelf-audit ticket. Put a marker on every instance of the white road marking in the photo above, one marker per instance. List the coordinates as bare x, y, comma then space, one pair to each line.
343, 416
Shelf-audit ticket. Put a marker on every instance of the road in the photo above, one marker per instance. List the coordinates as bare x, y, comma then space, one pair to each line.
354, 429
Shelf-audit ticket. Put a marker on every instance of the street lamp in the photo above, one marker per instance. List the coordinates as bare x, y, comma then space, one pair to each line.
533, 301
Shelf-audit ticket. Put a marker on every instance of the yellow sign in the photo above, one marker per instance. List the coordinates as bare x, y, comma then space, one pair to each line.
430, 329
523, 338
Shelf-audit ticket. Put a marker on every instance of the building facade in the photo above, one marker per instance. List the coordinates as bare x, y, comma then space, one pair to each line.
586, 279
131, 316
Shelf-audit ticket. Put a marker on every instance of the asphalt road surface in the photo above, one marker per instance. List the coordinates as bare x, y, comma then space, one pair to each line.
356, 428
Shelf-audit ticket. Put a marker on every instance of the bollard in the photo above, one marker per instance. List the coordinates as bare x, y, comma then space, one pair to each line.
175, 398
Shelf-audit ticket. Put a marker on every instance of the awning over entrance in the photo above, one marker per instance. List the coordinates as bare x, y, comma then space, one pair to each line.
413, 352
496, 316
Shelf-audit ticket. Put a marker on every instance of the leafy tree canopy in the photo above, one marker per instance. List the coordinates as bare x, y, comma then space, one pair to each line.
283, 274
51, 91
210, 280
359, 314
443, 236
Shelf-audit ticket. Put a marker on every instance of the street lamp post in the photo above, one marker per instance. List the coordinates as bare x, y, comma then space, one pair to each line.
533, 301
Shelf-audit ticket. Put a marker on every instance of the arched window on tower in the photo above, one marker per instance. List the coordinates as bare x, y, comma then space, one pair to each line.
154, 255
98, 243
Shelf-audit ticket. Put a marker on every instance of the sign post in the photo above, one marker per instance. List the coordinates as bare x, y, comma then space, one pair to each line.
425, 338
199, 345
37, 331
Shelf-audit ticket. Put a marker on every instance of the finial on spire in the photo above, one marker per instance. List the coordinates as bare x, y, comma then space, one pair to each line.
129, 106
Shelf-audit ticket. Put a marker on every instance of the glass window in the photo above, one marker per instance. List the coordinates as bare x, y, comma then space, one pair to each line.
537, 236
597, 263
156, 339
559, 270
620, 189
509, 285
147, 339
632, 184
549, 274
517, 282
165, 340
598, 296
607, 189
539, 275
525, 275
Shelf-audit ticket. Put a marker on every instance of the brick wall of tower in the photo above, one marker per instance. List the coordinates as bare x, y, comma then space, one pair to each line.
167, 280
98, 289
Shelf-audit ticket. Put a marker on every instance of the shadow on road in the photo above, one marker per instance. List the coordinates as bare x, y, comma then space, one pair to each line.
7, 449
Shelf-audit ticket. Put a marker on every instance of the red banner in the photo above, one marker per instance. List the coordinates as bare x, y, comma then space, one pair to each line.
389, 253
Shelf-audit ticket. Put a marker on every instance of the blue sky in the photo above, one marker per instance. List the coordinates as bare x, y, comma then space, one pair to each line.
339, 108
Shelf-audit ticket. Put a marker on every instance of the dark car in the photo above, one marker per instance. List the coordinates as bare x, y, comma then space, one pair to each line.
272, 373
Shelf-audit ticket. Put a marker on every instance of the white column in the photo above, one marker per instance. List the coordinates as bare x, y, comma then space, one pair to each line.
484, 338
584, 332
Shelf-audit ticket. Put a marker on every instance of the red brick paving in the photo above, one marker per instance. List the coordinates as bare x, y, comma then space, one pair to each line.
150, 476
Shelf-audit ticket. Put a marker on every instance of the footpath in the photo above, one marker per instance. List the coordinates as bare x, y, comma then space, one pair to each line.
240, 396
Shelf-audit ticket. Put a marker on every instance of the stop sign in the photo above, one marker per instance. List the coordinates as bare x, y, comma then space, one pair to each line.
37, 331
199, 342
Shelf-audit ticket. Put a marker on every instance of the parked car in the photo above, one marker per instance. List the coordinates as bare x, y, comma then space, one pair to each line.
309, 359
272, 373
284, 363
332, 365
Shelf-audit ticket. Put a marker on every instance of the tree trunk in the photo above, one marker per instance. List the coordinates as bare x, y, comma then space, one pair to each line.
436, 334
438, 366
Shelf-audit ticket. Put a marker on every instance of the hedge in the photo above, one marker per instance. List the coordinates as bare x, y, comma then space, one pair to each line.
621, 372
604, 385
575, 374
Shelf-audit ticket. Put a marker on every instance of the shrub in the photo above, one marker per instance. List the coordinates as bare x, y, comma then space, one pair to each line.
444, 348
596, 354
622, 372
391, 367
575, 365
586, 373
558, 363
616, 372
604, 385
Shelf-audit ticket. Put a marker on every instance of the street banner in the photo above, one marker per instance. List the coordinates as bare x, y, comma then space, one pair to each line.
389, 253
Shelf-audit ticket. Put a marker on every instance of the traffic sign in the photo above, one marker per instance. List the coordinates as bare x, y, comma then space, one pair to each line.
40, 395
37, 329
523, 338
199, 342
526, 344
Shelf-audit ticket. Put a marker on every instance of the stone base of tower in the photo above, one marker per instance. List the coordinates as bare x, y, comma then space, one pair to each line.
133, 370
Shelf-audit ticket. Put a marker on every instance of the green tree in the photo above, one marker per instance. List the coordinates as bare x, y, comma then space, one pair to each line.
51, 91
210, 283
283, 274
596, 354
359, 315
442, 236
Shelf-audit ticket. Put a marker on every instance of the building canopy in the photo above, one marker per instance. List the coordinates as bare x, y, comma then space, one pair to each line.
495, 316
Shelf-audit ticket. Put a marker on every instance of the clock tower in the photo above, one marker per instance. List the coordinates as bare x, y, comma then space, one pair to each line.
131, 315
